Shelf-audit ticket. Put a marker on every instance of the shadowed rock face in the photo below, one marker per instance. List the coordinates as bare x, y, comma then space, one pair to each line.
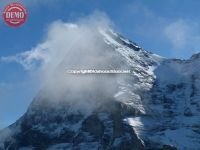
103, 129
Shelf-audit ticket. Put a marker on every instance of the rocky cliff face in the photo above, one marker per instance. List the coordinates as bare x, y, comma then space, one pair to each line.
155, 107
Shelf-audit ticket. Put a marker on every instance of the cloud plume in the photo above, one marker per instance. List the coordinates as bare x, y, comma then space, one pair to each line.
76, 45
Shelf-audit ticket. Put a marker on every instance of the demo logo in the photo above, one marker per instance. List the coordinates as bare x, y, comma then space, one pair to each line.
14, 14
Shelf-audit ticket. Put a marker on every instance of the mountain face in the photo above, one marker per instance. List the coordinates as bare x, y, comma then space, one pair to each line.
155, 107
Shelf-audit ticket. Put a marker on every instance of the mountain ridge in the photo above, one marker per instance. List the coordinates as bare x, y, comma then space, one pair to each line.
148, 111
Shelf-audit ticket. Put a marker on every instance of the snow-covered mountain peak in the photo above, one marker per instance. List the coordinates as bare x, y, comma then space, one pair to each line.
156, 106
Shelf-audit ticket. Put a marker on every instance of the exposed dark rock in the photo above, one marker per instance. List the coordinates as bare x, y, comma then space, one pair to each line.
187, 112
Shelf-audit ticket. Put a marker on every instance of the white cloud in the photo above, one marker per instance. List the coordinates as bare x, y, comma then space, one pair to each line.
179, 33
180, 37
29, 59
60, 39
76, 45
183, 35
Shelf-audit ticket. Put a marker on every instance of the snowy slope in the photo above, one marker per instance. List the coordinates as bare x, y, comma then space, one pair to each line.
171, 100
157, 106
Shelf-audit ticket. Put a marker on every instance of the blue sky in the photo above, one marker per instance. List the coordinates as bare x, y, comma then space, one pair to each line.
169, 28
